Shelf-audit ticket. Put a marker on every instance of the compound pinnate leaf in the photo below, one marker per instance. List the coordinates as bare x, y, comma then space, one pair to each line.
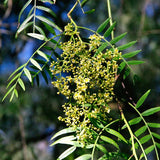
125, 46
140, 131
42, 55
109, 30
118, 38
131, 54
101, 148
36, 35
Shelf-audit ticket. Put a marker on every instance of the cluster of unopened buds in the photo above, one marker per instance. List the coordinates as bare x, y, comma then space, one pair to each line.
86, 77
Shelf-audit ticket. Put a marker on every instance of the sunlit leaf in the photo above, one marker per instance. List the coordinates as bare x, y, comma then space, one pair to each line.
133, 121
9, 91
151, 111
84, 157
65, 140
12, 95
24, 24
142, 99
109, 140
103, 25
125, 46
48, 10
49, 22
63, 131
28, 74
42, 55
118, 38
21, 83
40, 30
15, 92
67, 152
13, 79
19, 68
109, 30
115, 133
131, 54
34, 62
37, 36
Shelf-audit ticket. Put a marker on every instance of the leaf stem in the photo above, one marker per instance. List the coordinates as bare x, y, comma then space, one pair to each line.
34, 16
110, 16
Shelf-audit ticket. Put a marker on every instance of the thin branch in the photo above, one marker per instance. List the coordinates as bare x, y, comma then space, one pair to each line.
110, 16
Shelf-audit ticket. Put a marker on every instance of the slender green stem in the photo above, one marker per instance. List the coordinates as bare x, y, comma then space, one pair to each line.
99, 137
110, 16
34, 16
130, 132
154, 143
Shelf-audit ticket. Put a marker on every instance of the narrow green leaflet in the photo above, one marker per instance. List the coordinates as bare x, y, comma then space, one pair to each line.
147, 151
84, 157
22, 10
65, 140
142, 99
50, 29
134, 62
12, 95
115, 133
24, 24
37, 36
158, 145
48, 10
21, 83
35, 63
118, 38
109, 30
9, 91
49, 22
19, 68
145, 139
154, 125
16, 93
101, 48
133, 121
131, 54
40, 30
156, 135
103, 25
42, 55
151, 111
109, 140
63, 131
140, 131
125, 46
28, 74
84, 2
101, 148
11, 81
67, 152
90, 11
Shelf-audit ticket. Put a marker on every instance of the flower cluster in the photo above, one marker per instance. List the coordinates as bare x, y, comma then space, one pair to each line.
89, 82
